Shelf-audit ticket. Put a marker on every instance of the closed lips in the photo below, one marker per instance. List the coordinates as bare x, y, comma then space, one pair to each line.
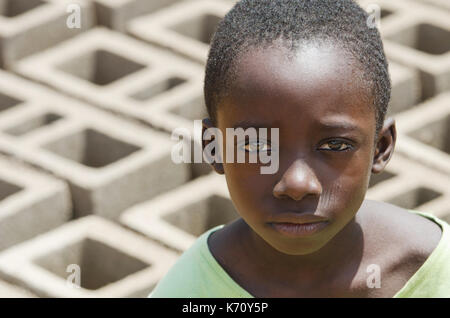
296, 218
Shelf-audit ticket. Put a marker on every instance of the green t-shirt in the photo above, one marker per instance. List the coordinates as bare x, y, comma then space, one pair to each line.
197, 274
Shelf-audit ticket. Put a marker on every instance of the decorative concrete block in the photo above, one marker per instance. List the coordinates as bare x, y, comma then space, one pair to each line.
115, 14
123, 75
109, 163
423, 133
186, 28
31, 203
406, 88
177, 218
410, 185
11, 291
30, 26
108, 260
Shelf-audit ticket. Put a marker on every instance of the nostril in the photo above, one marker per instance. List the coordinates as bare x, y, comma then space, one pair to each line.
298, 181
296, 190
279, 191
283, 192
281, 196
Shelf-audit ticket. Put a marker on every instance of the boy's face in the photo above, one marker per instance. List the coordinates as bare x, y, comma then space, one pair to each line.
314, 99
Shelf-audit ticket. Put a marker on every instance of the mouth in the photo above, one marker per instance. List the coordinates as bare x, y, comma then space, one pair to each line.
297, 218
298, 230
298, 225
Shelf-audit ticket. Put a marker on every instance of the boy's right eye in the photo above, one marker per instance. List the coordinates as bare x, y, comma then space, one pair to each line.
257, 146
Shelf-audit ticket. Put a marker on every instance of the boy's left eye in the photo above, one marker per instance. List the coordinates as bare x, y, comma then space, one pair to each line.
337, 145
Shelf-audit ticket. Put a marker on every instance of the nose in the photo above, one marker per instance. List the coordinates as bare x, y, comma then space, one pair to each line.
298, 181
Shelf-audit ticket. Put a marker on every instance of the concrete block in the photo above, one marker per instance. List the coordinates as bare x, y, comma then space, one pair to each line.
424, 135
406, 88
440, 4
30, 26
411, 185
185, 28
418, 37
11, 291
122, 75
115, 14
31, 203
110, 261
388, 9
110, 164
176, 218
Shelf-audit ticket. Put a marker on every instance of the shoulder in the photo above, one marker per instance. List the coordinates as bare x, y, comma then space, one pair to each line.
408, 247
192, 275
406, 237
416, 233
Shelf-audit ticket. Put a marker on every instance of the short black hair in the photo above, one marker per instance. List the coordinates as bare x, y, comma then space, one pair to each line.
258, 23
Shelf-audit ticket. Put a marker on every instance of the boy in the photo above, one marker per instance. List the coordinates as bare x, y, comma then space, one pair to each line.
317, 71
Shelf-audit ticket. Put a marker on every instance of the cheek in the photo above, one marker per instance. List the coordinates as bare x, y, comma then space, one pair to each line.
343, 196
247, 187
345, 192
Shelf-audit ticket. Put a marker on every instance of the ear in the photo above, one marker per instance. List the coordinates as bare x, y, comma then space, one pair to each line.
384, 148
207, 123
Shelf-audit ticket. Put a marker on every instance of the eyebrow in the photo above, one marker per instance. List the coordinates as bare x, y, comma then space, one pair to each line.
339, 125
253, 124
327, 125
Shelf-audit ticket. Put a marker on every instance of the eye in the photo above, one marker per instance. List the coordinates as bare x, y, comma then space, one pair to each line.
258, 146
337, 145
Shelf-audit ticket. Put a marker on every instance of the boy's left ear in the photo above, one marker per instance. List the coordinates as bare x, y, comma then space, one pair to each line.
385, 145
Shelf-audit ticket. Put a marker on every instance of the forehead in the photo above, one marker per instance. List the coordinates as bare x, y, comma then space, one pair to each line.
318, 80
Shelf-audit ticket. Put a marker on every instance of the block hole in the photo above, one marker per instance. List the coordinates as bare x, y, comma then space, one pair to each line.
13, 8
435, 134
385, 13
7, 102
380, 177
200, 28
100, 67
198, 217
7, 189
424, 37
99, 263
91, 148
415, 198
